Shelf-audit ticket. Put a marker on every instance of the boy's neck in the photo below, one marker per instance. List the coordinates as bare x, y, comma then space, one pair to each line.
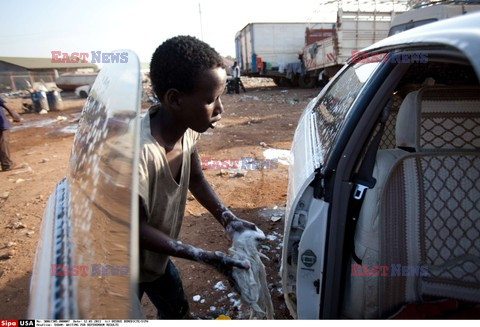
165, 129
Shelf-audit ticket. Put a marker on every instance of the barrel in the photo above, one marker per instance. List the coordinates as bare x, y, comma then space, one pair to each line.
39, 100
54, 100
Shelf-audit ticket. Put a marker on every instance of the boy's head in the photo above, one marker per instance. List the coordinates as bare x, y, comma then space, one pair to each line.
189, 77
177, 63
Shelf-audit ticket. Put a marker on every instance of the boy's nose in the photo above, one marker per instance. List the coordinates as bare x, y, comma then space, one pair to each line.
218, 107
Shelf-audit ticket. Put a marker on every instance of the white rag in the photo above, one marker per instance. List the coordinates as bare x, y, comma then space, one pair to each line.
252, 283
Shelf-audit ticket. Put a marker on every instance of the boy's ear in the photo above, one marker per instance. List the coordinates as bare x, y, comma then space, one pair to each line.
173, 99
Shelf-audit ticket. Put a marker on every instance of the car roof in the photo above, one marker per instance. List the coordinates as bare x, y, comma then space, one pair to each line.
462, 33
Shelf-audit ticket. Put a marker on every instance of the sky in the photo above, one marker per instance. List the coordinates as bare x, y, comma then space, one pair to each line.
36, 28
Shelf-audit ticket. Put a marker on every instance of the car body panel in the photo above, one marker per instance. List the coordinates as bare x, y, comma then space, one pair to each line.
305, 224
92, 215
310, 264
302, 172
50, 242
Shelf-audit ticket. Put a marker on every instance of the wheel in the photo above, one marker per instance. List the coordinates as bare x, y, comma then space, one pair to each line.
294, 81
322, 82
284, 82
323, 79
83, 94
306, 81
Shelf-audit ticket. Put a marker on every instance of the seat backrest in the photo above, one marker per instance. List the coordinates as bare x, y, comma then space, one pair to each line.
388, 137
440, 119
424, 200
429, 212
430, 229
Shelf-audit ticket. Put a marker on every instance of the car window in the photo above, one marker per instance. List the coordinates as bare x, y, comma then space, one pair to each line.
404, 27
332, 109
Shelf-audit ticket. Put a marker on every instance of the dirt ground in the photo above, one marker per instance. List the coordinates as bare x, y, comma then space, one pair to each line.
263, 118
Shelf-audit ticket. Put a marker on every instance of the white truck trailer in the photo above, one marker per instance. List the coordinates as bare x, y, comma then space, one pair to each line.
274, 49
354, 31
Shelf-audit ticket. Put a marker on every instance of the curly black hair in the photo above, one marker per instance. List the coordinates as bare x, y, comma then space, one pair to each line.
178, 61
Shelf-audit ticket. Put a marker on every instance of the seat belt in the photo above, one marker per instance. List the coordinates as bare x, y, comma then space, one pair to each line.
364, 178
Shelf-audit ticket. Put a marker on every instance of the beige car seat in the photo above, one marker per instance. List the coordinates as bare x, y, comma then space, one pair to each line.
423, 215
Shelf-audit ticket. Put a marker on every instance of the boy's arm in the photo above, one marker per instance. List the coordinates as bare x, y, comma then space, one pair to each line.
207, 197
154, 240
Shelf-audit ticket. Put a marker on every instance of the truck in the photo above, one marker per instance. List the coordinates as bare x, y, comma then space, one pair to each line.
307, 54
426, 13
274, 50
354, 30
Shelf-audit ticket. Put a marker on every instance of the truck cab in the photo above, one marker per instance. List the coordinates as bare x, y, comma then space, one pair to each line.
429, 13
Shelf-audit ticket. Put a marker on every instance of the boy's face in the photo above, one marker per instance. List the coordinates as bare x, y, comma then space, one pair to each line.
202, 108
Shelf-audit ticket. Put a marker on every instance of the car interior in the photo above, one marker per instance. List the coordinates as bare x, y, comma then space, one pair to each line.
422, 217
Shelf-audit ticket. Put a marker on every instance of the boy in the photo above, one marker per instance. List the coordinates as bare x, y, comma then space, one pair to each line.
188, 77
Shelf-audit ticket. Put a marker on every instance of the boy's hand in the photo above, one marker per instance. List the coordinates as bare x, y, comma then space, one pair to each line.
15, 117
224, 264
239, 226
234, 225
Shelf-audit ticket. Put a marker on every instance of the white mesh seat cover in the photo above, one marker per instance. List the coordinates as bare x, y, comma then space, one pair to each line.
431, 121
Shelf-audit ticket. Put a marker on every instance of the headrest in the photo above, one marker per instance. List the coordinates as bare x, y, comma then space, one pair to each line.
440, 118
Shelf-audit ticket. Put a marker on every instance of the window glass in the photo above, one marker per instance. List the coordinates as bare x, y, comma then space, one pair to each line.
332, 109
404, 27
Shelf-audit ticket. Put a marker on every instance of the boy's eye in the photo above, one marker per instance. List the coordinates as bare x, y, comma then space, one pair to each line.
210, 101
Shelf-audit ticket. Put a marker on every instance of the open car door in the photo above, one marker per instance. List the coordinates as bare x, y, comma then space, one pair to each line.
86, 259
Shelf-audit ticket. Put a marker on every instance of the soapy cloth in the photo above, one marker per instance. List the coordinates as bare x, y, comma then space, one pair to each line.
252, 283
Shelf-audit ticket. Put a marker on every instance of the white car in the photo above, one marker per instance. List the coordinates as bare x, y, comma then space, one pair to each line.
383, 204
83, 91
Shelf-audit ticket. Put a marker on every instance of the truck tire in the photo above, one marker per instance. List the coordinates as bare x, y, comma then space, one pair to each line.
276, 80
294, 81
324, 81
281, 81
306, 81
